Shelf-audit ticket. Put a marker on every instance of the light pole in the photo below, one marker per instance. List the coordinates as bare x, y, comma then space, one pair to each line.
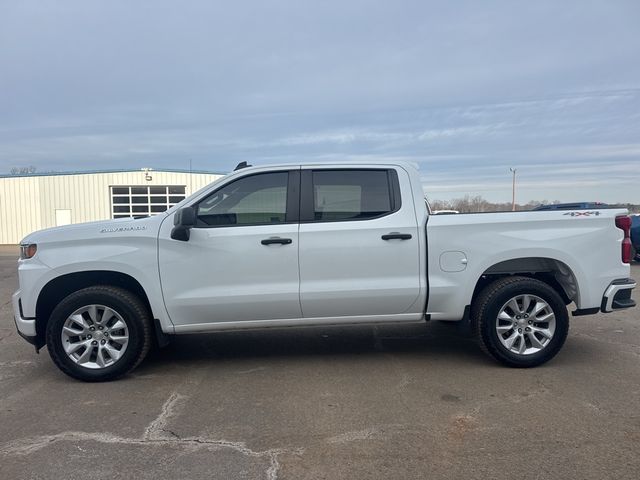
513, 190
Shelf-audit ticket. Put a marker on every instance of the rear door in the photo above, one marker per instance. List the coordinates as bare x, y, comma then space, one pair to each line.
359, 248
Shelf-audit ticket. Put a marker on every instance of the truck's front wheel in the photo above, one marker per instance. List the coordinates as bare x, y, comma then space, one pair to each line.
99, 333
520, 321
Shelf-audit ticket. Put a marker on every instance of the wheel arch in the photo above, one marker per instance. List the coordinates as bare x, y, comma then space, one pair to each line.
60, 287
557, 274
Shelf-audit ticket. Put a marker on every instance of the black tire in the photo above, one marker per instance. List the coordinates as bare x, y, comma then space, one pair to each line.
487, 306
134, 313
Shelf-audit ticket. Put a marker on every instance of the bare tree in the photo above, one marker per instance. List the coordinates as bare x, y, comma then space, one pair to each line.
23, 170
477, 203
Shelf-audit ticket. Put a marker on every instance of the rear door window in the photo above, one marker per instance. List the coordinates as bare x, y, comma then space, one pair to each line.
342, 195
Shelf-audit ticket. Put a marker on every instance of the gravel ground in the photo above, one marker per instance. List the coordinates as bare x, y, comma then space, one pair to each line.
328, 403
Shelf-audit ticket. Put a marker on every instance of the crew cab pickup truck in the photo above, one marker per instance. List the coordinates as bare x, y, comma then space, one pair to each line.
292, 246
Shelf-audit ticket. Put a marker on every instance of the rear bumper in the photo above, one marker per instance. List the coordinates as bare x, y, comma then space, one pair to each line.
26, 326
618, 295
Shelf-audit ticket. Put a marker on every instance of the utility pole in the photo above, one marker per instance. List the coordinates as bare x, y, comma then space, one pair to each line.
513, 190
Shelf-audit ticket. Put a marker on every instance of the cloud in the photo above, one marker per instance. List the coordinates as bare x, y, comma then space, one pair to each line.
587, 152
463, 90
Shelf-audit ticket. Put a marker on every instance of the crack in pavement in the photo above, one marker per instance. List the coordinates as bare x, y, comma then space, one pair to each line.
156, 435
351, 436
155, 429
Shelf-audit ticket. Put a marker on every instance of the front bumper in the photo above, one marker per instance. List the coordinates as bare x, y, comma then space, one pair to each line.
618, 295
26, 326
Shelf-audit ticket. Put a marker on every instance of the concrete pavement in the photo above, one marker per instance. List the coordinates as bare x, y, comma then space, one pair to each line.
328, 403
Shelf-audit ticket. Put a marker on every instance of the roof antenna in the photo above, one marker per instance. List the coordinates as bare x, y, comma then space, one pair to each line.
242, 165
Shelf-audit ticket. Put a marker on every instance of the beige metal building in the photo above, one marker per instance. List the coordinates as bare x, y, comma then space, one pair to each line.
36, 201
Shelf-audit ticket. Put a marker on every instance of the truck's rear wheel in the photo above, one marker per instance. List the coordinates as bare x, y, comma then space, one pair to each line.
99, 333
520, 321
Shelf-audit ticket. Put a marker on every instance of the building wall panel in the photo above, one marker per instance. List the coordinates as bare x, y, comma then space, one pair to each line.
29, 203
19, 208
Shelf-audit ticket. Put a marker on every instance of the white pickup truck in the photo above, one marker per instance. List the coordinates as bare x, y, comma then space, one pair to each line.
291, 246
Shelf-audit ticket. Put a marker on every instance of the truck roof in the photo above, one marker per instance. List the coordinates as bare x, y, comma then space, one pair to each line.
362, 163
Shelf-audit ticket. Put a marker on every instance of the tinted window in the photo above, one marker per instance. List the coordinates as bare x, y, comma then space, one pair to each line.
254, 200
350, 194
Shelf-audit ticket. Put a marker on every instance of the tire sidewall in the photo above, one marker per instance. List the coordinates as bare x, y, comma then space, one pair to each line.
82, 298
490, 314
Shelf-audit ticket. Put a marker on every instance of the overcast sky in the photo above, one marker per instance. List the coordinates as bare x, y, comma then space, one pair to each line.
463, 89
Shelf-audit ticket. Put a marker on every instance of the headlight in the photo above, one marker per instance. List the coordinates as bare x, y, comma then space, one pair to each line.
28, 250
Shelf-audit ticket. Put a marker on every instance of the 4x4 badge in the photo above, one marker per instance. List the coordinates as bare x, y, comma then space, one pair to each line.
582, 214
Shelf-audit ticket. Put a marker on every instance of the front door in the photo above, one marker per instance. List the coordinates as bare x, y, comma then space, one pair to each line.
241, 260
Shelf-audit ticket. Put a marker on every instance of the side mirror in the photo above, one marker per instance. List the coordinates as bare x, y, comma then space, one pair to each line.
183, 221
